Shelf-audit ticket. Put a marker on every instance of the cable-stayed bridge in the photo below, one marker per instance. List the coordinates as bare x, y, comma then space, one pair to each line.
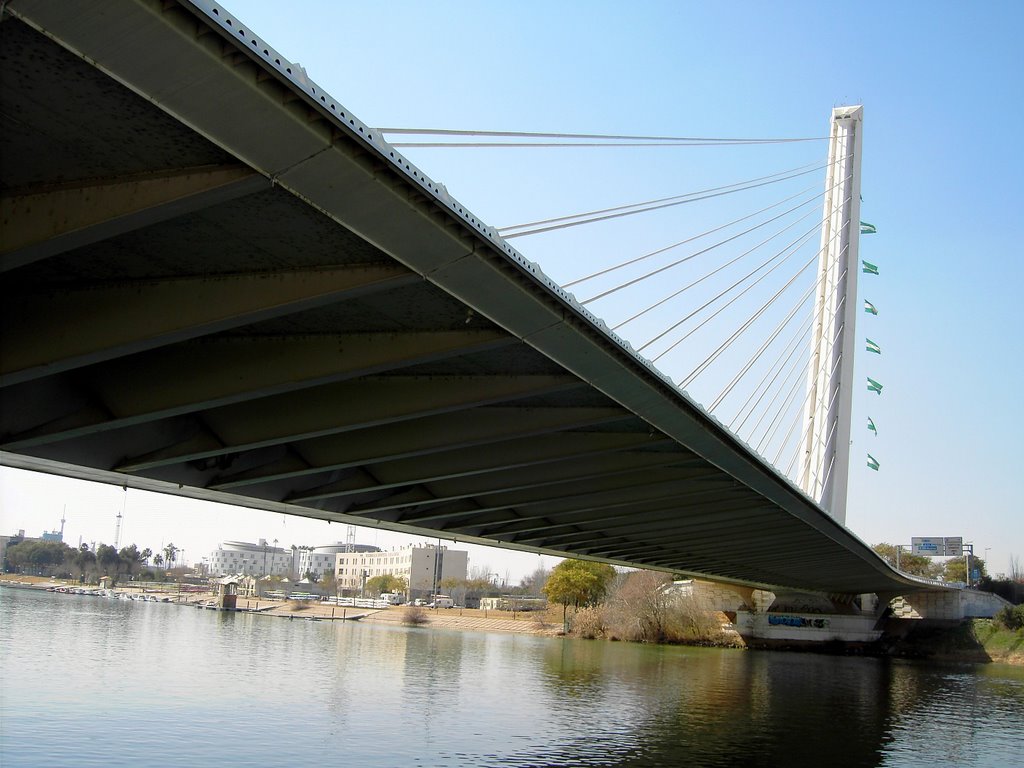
219, 283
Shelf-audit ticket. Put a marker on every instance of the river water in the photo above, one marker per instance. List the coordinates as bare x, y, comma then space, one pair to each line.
86, 681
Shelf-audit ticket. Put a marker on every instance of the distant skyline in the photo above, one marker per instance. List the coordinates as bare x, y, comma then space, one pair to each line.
939, 84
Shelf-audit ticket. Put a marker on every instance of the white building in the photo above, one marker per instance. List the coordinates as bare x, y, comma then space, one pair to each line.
421, 565
322, 560
242, 557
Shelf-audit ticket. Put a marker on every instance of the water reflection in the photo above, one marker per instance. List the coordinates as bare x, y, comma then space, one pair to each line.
254, 690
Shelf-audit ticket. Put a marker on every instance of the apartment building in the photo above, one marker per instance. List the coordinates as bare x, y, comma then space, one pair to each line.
421, 565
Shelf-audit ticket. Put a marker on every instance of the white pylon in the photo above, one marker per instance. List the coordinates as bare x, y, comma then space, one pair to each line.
825, 468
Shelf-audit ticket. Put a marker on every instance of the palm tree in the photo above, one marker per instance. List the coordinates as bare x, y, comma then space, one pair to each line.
170, 554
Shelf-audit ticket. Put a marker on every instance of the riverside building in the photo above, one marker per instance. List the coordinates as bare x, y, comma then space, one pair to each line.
319, 561
247, 559
423, 566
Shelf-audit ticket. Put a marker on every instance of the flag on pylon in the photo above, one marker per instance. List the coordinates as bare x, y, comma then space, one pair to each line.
867, 229
870, 308
868, 267
874, 386
872, 463
872, 347
872, 427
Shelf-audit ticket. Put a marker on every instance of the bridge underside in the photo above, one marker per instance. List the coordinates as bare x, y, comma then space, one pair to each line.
218, 283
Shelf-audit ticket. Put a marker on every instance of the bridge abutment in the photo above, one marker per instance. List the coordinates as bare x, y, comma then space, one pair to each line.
947, 604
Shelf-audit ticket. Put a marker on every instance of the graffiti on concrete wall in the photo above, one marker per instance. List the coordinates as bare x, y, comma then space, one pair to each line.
797, 621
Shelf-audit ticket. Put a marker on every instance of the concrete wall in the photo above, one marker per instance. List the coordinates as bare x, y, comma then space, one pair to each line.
711, 596
959, 604
810, 628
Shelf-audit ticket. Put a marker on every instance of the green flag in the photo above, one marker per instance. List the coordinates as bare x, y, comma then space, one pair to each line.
872, 347
874, 386
870, 308
868, 267
872, 427
867, 229
872, 462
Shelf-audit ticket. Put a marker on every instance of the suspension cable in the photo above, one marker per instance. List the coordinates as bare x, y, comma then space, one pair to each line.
793, 345
820, 368
769, 431
808, 168
750, 321
791, 349
693, 199
646, 256
815, 317
727, 264
701, 252
709, 248
703, 366
775, 423
767, 343
800, 302
793, 247
601, 136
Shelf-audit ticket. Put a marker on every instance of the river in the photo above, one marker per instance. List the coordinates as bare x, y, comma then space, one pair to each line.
93, 682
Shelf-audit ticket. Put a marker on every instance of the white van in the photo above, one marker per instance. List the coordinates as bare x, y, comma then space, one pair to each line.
443, 601
392, 598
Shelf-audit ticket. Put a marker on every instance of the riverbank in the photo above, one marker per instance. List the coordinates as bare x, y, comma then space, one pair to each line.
970, 641
464, 619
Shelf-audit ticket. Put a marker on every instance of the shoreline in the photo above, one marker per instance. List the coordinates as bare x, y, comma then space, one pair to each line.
975, 641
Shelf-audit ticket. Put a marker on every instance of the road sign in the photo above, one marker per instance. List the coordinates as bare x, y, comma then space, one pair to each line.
937, 546
927, 546
954, 546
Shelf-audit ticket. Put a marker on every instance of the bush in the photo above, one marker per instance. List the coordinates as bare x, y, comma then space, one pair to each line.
1011, 618
588, 623
413, 615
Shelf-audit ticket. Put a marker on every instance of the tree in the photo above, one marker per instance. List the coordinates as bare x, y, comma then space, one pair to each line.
158, 560
448, 585
641, 607
956, 569
108, 560
170, 554
38, 557
386, 582
915, 565
579, 582
83, 562
131, 559
534, 582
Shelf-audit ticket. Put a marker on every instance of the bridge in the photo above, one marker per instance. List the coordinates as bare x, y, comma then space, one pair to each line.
219, 283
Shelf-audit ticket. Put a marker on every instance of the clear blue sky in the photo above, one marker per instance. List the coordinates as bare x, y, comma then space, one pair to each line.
941, 84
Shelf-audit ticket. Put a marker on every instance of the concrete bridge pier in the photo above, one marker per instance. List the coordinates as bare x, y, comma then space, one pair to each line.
944, 604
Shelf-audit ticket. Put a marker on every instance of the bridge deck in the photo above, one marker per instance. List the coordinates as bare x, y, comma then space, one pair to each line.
219, 283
